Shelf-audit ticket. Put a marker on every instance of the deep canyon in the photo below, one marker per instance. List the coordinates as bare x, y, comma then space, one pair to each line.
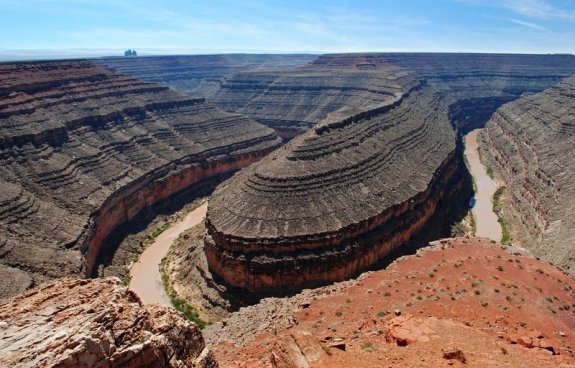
318, 169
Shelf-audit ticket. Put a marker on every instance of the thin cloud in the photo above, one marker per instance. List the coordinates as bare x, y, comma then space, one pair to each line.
529, 25
540, 9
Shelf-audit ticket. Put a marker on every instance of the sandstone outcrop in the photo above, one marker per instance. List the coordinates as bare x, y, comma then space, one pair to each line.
458, 299
338, 198
84, 150
95, 323
529, 142
198, 75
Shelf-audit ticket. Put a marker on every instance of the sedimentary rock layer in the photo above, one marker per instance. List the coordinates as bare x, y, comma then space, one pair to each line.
530, 142
474, 85
198, 75
95, 323
336, 199
294, 101
84, 150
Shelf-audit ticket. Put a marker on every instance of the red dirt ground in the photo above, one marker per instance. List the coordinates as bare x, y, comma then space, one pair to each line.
498, 309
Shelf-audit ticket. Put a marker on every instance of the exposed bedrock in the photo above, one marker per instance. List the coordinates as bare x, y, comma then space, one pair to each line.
292, 101
336, 199
199, 75
474, 85
84, 150
530, 143
96, 323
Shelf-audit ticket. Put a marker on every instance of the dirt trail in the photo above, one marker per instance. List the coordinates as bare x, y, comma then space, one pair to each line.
146, 280
486, 222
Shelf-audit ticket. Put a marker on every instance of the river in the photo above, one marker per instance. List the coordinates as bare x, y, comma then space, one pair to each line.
486, 221
146, 279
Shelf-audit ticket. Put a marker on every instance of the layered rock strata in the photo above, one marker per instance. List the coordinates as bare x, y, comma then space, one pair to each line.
336, 199
198, 75
529, 142
95, 323
84, 150
474, 85
293, 101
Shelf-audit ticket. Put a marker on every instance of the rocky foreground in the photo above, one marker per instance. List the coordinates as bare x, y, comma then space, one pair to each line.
84, 151
530, 143
340, 197
95, 323
460, 302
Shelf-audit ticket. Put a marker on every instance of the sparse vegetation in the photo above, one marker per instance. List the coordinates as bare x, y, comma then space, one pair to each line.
180, 304
489, 172
160, 230
368, 345
497, 210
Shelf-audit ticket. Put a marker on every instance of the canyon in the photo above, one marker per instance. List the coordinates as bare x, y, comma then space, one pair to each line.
338, 198
288, 222
85, 151
199, 75
527, 142
347, 162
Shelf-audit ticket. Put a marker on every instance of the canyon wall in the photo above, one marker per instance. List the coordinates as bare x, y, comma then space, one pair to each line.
338, 198
474, 85
529, 143
83, 150
198, 75
292, 101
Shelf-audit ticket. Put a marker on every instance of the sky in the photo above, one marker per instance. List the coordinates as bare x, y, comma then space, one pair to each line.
32, 27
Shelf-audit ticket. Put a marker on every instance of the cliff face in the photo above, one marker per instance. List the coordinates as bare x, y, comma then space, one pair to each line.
83, 150
95, 323
295, 100
336, 199
198, 75
529, 142
474, 85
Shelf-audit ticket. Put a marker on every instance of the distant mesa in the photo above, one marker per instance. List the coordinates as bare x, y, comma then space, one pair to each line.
130, 53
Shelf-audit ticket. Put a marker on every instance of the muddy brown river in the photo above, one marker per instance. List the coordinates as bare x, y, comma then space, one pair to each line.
146, 279
486, 222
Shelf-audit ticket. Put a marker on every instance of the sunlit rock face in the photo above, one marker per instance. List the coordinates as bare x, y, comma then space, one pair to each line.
84, 150
338, 198
530, 143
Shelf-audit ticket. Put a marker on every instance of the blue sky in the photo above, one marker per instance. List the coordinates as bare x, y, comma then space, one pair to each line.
170, 26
